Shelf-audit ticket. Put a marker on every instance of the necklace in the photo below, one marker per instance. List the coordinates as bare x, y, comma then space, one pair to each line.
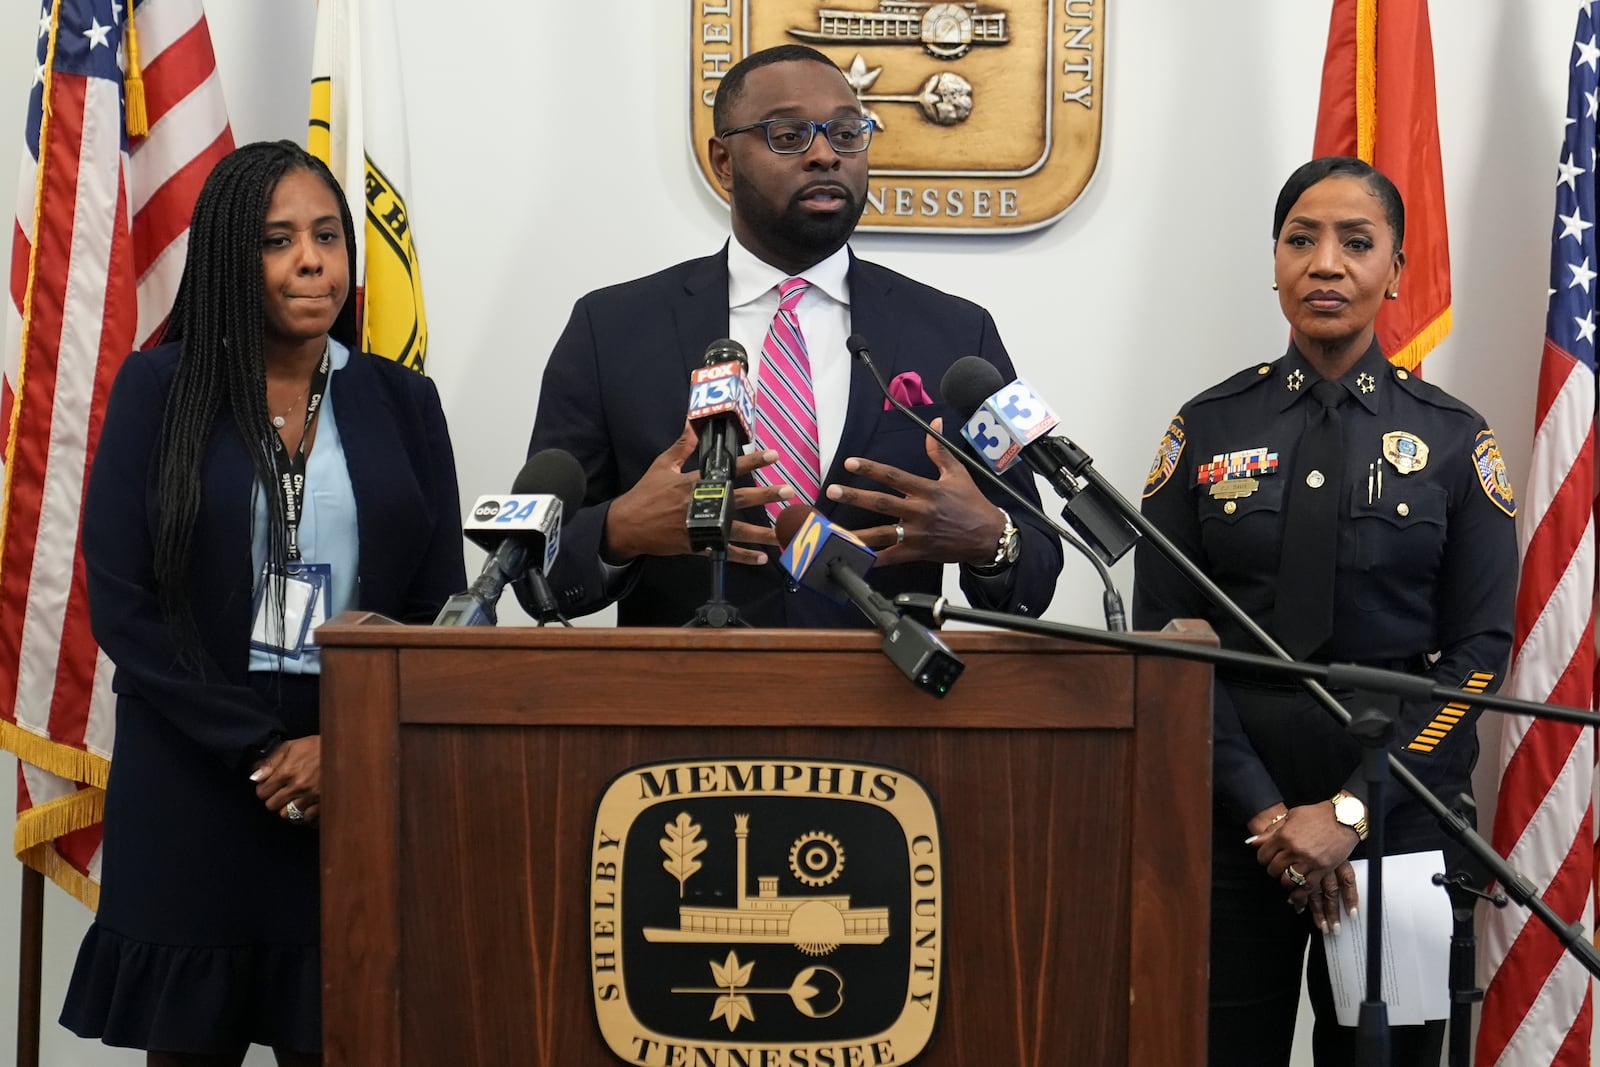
278, 421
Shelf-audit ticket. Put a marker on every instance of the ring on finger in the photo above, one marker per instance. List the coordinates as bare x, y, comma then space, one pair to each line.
1295, 876
899, 534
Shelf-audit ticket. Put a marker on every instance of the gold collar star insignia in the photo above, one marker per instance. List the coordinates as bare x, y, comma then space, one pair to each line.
1366, 382
1296, 379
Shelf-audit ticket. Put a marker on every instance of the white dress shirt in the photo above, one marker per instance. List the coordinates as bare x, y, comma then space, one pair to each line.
824, 313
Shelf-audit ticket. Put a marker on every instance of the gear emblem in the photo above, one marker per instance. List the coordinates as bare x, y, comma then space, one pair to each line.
816, 859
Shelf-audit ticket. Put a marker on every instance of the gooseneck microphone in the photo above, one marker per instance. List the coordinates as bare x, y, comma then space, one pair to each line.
721, 410
522, 532
831, 560
1006, 422
1111, 599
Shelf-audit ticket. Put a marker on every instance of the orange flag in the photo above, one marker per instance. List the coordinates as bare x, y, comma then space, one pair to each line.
1378, 104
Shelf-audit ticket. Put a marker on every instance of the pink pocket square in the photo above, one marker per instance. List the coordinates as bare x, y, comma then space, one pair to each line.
907, 388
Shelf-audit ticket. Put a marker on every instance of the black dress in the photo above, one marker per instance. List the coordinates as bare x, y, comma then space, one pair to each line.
208, 930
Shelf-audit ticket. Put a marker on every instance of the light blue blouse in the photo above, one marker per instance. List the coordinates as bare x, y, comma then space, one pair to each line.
328, 531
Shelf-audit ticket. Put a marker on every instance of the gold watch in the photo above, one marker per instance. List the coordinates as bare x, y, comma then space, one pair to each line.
1350, 811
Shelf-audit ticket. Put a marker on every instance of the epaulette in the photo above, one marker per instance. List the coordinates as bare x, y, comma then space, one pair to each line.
1253, 375
1429, 393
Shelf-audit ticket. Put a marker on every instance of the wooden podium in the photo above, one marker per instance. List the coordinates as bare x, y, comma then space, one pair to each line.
462, 768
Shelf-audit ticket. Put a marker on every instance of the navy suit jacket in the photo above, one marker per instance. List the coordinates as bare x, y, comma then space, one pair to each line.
616, 391
402, 470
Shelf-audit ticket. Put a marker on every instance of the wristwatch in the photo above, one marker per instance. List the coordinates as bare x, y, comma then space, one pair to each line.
1349, 811
1008, 549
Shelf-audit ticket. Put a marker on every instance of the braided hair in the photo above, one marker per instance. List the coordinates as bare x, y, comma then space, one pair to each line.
218, 322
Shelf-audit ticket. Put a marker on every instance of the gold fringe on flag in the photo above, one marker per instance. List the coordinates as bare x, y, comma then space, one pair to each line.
1366, 79
63, 761
43, 823
1426, 339
48, 862
133, 82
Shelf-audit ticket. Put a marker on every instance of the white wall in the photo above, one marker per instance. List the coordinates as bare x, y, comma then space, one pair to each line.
534, 183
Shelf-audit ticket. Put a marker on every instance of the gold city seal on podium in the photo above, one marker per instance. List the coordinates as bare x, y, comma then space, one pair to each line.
766, 912
987, 114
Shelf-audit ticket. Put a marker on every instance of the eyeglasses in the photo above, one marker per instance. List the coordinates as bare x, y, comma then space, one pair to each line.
789, 137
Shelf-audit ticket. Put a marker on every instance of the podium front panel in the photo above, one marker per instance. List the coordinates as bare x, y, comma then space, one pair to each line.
463, 770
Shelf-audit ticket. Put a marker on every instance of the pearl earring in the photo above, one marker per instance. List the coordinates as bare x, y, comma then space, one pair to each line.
1274, 287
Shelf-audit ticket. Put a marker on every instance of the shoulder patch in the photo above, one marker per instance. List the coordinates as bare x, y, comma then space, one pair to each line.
1167, 454
1491, 467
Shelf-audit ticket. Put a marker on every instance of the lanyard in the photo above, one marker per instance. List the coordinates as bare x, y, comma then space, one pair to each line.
292, 469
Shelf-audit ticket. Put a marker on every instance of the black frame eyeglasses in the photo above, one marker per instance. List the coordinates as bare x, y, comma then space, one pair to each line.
792, 136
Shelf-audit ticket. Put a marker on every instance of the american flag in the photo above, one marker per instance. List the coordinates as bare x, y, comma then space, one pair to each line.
1538, 1006
96, 254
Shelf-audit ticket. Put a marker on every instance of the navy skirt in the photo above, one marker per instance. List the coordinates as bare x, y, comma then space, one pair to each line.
207, 938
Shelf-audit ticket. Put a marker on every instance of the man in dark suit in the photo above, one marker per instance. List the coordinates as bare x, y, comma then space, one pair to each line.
790, 151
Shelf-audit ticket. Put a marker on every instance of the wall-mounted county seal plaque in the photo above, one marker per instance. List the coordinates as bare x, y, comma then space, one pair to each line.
763, 912
987, 114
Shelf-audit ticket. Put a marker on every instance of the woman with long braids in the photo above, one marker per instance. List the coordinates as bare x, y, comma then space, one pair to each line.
255, 476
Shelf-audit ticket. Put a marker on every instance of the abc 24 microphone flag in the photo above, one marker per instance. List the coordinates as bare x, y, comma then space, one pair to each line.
125, 119
358, 128
1379, 105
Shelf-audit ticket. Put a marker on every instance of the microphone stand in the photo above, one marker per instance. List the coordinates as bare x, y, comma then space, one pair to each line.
718, 611
1338, 675
1374, 728
1116, 616
1464, 991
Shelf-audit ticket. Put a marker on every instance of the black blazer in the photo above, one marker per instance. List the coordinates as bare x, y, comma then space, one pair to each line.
616, 390
402, 470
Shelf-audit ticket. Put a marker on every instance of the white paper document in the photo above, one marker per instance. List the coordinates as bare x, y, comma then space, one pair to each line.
1416, 944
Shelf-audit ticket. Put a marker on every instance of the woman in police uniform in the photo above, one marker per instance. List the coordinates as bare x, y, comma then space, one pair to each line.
1359, 515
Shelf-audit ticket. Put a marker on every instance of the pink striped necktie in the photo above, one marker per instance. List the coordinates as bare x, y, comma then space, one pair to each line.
786, 408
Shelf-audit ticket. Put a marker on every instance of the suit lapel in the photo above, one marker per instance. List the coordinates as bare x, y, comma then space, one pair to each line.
702, 315
871, 318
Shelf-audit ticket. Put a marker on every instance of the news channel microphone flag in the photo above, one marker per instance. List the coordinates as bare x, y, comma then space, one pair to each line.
125, 119
358, 128
1378, 104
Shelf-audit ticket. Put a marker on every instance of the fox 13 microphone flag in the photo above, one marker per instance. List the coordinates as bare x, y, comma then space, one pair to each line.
125, 119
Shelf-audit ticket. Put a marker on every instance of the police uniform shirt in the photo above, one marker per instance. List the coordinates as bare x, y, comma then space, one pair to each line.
1425, 577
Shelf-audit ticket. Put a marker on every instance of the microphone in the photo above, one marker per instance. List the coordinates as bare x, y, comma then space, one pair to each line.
722, 411
831, 560
1111, 600
1008, 421
522, 532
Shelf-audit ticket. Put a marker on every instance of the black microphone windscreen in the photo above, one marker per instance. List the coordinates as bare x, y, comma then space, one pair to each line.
856, 344
554, 471
789, 522
726, 350
968, 383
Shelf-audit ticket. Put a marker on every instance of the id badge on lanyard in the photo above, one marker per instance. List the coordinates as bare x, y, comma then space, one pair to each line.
302, 588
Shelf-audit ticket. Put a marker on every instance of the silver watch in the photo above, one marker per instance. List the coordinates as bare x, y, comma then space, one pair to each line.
1008, 549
